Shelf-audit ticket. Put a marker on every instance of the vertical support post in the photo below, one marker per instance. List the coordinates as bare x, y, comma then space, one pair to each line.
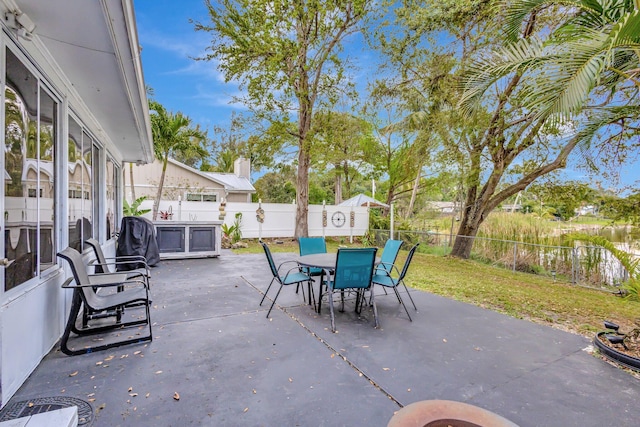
515, 255
573, 265
324, 217
260, 222
391, 237
351, 224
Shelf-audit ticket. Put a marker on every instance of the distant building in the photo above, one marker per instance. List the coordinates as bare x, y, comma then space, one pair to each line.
183, 182
442, 207
511, 208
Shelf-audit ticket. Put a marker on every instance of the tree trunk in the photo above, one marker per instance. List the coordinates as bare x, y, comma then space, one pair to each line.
347, 181
133, 188
156, 202
302, 195
469, 225
337, 184
337, 188
414, 193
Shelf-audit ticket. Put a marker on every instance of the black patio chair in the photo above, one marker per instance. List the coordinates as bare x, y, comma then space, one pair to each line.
385, 279
102, 299
293, 276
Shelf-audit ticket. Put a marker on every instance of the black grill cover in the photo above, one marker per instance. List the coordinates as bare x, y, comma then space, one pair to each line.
137, 237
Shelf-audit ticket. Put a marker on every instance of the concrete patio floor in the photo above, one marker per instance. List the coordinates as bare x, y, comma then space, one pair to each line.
230, 366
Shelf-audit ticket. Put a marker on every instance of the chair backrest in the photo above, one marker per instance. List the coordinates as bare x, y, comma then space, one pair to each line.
78, 268
100, 258
272, 265
312, 245
389, 255
408, 261
79, 271
354, 268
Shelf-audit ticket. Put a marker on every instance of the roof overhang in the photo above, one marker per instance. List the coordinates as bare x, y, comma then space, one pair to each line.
93, 47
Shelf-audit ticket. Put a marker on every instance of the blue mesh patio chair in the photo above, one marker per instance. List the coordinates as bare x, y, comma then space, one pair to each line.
293, 276
309, 246
386, 280
388, 257
312, 245
353, 271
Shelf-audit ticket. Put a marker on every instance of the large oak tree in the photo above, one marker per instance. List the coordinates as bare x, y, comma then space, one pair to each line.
284, 54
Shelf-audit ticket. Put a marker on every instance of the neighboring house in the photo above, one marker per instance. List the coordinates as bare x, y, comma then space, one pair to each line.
183, 182
511, 207
587, 210
75, 109
442, 207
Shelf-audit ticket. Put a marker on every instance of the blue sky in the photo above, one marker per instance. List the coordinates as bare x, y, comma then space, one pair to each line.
197, 89
180, 83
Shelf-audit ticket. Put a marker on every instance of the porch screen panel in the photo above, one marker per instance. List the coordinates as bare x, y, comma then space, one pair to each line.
21, 172
112, 174
75, 170
46, 196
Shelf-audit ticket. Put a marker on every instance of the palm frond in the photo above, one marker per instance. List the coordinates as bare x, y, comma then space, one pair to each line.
492, 66
518, 11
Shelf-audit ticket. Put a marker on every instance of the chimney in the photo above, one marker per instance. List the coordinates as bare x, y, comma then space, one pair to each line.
242, 168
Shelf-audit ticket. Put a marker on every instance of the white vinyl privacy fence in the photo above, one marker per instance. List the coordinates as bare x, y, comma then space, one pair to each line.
279, 219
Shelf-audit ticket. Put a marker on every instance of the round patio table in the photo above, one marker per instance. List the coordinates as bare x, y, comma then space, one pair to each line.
326, 260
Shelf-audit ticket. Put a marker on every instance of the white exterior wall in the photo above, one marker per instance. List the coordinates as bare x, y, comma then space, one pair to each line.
33, 314
279, 218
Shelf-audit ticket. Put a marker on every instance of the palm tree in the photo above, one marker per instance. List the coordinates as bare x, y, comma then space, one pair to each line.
172, 133
592, 57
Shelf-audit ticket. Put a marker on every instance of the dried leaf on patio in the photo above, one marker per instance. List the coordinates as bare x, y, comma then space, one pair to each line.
73, 374
158, 372
176, 396
130, 389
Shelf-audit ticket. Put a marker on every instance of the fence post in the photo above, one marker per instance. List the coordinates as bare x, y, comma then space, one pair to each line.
515, 255
573, 266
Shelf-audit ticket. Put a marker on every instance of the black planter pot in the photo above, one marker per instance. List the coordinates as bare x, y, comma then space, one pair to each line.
613, 354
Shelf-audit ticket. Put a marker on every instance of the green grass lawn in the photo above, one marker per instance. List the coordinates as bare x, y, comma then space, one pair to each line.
539, 299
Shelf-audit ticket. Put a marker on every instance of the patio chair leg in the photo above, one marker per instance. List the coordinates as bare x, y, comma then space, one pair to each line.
267, 291
395, 289
333, 322
408, 293
375, 310
274, 301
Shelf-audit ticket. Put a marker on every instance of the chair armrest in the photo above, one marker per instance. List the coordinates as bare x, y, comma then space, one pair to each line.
297, 270
67, 284
130, 258
387, 267
288, 262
